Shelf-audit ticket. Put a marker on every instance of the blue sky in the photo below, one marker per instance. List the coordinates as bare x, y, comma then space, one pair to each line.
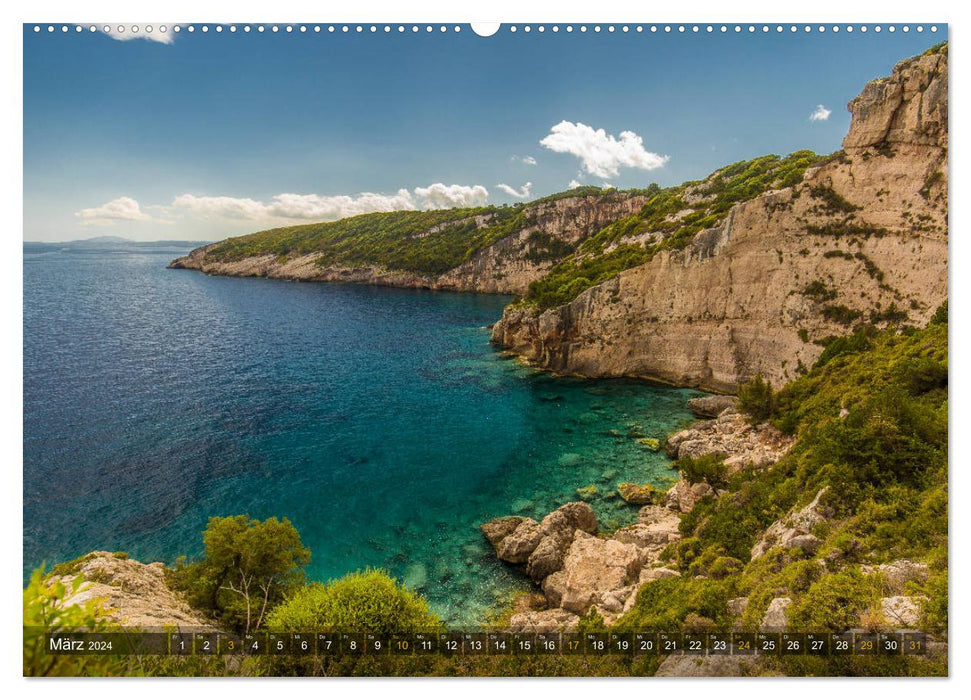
214, 135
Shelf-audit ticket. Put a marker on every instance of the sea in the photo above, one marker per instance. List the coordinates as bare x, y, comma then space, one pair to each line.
379, 421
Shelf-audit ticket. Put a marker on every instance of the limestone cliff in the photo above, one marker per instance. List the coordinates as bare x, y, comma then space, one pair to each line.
862, 238
549, 228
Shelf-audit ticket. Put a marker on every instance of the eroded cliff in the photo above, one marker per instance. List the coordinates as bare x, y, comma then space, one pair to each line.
863, 238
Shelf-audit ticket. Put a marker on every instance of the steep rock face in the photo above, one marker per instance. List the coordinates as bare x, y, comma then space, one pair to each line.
507, 266
863, 237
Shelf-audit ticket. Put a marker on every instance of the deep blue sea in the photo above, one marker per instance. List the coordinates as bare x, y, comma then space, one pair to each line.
379, 421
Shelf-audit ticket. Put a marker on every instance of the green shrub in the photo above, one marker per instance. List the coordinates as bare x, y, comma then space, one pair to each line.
835, 602
368, 601
710, 468
756, 399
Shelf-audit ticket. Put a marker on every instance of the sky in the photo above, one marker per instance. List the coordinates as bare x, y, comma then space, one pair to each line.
209, 135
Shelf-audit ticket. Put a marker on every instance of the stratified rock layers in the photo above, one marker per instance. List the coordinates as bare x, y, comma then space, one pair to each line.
863, 237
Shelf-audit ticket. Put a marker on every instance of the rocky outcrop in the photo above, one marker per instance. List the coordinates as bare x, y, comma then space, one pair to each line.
131, 593
733, 436
775, 619
795, 529
711, 406
897, 574
576, 568
862, 237
901, 611
506, 266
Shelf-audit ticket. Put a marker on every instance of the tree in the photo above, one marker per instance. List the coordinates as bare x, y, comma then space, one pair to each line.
248, 567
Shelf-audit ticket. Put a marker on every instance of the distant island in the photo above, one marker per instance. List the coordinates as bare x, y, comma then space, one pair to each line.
107, 242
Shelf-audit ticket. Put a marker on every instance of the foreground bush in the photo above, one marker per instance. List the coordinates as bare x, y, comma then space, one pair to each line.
368, 601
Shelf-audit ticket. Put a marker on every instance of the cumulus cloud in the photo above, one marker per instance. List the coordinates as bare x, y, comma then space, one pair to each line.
521, 193
108, 214
574, 184
600, 153
820, 114
289, 207
156, 35
439, 196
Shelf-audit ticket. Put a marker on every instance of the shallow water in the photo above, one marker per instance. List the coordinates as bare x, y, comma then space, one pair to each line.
380, 421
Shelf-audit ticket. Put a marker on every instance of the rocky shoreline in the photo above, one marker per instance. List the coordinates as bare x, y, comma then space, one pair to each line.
580, 570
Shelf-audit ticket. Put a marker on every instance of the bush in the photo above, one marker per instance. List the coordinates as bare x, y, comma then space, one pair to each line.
368, 601
834, 603
710, 468
756, 399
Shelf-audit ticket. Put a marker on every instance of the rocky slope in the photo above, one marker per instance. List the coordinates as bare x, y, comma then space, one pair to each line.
131, 593
548, 229
862, 238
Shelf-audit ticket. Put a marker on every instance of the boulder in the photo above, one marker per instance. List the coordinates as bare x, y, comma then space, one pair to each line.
592, 568
656, 574
496, 530
712, 406
548, 557
516, 547
902, 610
569, 518
775, 619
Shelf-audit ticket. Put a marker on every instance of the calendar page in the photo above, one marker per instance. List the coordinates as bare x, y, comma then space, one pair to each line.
524, 349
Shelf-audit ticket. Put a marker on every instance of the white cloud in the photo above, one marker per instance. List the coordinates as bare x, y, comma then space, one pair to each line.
820, 114
439, 196
121, 209
289, 207
574, 184
156, 35
527, 160
600, 153
521, 193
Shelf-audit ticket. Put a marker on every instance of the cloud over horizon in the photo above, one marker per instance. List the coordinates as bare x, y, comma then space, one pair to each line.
108, 214
600, 153
290, 207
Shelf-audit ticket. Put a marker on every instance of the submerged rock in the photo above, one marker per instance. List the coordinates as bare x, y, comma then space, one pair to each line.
588, 493
637, 494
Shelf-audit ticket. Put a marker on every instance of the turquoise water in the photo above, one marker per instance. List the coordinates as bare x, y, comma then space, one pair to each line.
380, 421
